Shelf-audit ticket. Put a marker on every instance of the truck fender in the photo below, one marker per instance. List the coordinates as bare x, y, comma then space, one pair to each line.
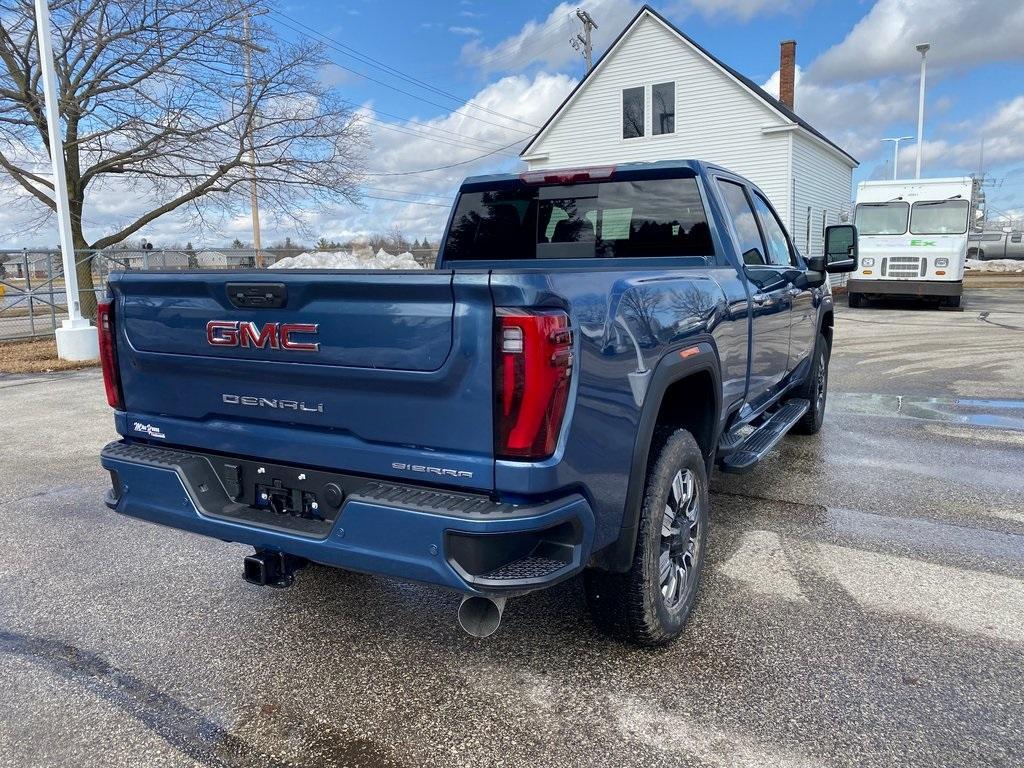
675, 366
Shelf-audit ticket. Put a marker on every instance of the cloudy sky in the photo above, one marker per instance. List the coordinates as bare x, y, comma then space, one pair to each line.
465, 83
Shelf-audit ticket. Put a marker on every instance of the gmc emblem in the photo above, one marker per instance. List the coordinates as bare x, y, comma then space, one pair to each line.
232, 333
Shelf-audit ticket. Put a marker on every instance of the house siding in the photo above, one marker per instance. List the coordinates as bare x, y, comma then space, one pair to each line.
717, 119
822, 191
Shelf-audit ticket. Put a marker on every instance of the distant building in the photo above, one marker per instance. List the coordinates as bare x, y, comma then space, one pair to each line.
225, 259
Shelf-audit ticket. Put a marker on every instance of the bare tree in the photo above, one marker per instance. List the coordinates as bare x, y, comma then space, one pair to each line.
155, 105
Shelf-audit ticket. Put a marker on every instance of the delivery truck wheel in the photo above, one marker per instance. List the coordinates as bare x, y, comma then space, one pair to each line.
853, 300
649, 604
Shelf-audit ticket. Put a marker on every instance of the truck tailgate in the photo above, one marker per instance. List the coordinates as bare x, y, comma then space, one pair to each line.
386, 373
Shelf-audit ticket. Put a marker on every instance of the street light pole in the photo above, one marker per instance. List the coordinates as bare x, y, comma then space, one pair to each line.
76, 338
896, 151
922, 49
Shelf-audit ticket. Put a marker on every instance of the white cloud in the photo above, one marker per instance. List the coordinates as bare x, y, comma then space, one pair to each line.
853, 114
472, 31
962, 33
529, 99
1002, 132
547, 41
433, 143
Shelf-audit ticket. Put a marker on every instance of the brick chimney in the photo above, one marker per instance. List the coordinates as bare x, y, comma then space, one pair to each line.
787, 72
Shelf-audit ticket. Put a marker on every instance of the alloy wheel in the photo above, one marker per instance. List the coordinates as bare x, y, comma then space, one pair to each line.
680, 538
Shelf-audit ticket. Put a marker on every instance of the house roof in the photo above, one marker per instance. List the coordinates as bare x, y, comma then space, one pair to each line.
750, 85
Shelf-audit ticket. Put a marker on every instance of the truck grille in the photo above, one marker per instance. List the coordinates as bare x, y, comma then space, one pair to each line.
904, 266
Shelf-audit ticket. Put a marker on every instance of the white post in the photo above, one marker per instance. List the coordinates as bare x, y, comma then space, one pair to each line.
896, 152
922, 49
76, 338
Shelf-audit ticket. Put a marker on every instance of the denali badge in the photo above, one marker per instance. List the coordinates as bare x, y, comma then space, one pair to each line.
232, 333
273, 402
440, 471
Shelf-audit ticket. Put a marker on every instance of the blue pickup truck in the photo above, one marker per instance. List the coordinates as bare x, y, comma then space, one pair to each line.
548, 401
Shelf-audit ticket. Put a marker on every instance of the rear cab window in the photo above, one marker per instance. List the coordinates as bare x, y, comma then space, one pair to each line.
628, 218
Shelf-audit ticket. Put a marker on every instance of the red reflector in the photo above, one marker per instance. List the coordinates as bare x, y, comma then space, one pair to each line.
108, 353
568, 175
533, 366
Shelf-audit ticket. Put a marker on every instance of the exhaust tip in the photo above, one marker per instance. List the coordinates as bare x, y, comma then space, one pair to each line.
480, 616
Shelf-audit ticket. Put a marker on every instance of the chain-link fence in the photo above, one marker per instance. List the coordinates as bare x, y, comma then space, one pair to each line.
32, 291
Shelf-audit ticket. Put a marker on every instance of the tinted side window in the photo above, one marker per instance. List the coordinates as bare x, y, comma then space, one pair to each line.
778, 246
743, 221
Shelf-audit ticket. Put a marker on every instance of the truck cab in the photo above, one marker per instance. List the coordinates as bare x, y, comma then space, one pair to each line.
913, 238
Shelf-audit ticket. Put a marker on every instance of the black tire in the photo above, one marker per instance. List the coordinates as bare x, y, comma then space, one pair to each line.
953, 301
815, 389
644, 605
853, 300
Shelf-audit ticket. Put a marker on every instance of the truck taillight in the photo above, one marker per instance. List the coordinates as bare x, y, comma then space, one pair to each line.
533, 367
108, 353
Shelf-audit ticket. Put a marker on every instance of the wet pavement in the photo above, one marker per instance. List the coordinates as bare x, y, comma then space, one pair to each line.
864, 604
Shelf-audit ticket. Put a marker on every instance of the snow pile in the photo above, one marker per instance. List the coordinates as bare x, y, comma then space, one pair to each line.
346, 260
995, 265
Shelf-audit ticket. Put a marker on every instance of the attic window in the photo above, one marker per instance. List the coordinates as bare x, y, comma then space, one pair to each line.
663, 108
632, 112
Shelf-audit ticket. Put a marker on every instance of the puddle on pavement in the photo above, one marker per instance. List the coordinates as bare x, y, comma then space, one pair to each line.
1002, 414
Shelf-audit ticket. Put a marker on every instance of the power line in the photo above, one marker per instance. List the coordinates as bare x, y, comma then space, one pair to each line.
450, 165
408, 192
425, 126
410, 202
370, 61
437, 139
534, 48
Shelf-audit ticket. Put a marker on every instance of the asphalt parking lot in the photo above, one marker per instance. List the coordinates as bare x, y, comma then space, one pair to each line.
864, 604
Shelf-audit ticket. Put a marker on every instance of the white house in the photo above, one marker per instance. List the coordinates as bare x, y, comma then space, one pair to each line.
658, 95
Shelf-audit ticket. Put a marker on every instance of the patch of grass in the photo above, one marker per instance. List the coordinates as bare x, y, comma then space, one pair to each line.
36, 357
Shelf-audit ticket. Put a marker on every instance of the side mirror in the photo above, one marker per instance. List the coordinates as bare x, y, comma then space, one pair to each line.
840, 248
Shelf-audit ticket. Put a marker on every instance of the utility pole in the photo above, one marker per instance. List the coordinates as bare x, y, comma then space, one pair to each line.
584, 39
896, 152
922, 49
76, 338
254, 201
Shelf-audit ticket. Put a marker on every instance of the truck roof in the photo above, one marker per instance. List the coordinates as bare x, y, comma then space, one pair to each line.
664, 166
915, 189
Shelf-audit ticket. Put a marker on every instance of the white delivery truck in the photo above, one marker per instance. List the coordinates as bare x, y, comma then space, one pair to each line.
913, 238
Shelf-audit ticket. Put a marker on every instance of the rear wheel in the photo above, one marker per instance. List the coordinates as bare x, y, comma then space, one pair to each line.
649, 604
815, 389
853, 299
953, 301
